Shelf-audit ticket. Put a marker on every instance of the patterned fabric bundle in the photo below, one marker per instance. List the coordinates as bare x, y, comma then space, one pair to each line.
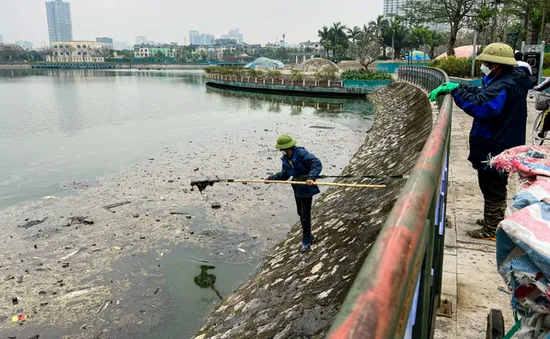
523, 238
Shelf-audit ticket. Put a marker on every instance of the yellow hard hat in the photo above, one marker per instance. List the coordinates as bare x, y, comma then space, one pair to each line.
498, 53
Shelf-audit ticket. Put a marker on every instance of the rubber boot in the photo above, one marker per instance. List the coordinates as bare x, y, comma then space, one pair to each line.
481, 222
493, 215
306, 243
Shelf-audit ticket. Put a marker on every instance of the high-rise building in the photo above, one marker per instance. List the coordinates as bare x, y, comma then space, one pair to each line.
60, 26
26, 45
141, 40
194, 38
393, 8
206, 39
107, 41
234, 34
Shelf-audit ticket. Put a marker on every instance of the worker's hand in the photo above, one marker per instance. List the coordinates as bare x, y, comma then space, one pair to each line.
446, 88
310, 182
265, 181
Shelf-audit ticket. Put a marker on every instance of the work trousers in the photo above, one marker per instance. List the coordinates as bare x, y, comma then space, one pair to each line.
303, 207
492, 184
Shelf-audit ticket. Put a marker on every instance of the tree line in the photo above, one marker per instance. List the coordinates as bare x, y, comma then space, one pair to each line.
508, 21
373, 39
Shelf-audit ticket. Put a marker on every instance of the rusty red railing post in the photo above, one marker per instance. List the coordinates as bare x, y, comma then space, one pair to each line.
398, 274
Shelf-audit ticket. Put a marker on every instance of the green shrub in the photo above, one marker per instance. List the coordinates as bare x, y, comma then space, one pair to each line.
274, 73
547, 60
327, 73
455, 67
254, 72
297, 75
546, 72
364, 75
225, 70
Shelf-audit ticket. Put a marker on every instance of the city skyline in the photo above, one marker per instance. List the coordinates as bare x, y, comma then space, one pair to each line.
123, 20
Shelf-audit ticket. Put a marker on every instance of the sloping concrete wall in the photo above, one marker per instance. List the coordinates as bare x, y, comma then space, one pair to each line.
296, 295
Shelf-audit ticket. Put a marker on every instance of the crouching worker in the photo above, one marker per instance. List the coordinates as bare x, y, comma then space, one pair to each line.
298, 163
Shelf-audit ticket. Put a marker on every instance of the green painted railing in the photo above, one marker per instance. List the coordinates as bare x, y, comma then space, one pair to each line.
397, 291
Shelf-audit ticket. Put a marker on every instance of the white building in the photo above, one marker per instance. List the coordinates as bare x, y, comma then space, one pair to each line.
393, 8
77, 49
194, 38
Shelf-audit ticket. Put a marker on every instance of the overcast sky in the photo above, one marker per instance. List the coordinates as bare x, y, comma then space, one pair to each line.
259, 21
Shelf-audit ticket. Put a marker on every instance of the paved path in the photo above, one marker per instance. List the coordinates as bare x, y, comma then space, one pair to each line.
470, 278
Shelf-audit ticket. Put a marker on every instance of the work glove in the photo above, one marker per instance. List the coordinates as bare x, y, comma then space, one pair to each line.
446, 88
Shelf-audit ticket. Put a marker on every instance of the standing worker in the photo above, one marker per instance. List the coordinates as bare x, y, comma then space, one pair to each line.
298, 162
499, 109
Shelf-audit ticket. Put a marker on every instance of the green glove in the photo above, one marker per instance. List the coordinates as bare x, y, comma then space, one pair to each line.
446, 88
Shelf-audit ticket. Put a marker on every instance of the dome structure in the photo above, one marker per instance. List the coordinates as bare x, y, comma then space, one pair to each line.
316, 64
265, 63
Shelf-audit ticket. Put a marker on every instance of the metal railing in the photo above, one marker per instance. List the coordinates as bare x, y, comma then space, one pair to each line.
397, 291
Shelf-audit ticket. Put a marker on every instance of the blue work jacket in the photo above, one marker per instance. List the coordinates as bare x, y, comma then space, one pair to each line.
304, 165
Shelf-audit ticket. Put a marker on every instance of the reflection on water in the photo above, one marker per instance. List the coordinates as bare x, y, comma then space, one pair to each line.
207, 280
193, 295
323, 106
190, 76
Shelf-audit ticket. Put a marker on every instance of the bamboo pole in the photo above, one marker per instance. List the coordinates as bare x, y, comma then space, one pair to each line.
331, 184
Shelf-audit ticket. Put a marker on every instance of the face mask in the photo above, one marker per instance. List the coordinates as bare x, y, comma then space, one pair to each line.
486, 70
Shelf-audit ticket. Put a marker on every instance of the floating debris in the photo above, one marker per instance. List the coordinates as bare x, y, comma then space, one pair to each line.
116, 204
79, 220
32, 223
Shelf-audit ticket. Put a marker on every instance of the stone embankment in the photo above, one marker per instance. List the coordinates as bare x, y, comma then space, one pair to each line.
295, 295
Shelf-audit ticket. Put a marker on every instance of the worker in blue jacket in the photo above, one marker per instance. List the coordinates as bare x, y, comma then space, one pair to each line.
499, 109
301, 165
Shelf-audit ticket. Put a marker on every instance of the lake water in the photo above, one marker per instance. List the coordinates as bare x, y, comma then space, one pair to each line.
61, 125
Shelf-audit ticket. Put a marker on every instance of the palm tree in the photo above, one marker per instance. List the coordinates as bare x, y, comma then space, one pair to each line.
339, 38
325, 36
378, 28
399, 33
353, 34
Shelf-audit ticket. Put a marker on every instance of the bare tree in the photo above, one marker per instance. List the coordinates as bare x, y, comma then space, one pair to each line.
456, 13
100, 52
367, 49
12, 53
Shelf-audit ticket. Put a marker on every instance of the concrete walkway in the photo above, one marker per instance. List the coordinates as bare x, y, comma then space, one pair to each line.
470, 278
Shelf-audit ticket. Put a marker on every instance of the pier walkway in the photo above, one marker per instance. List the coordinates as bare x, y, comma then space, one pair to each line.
470, 277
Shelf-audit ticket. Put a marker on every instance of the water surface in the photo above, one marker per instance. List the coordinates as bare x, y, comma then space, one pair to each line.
63, 125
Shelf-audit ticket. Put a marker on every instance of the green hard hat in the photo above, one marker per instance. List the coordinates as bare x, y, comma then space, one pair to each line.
285, 142
498, 53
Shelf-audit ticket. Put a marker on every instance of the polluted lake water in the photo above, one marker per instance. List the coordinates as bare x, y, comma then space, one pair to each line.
194, 282
106, 238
